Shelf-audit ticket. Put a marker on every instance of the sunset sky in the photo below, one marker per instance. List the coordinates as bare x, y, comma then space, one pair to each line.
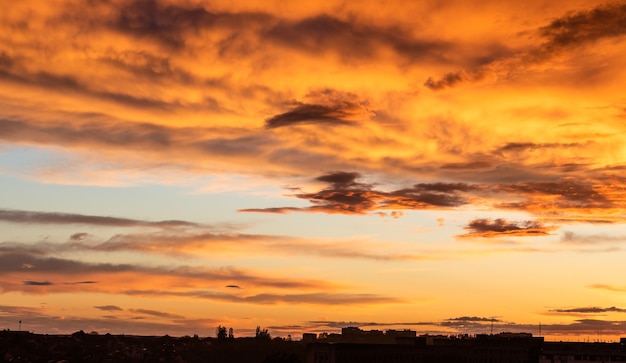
169, 166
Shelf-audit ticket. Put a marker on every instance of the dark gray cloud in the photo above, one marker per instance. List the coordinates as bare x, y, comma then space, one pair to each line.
577, 28
474, 319
37, 283
424, 196
501, 227
440, 188
347, 195
342, 179
109, 308
590, 310
49, 283
323, 107
311, 114
570, 194
531, 146
449, 80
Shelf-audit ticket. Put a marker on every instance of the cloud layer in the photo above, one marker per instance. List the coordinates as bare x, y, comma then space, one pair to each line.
476, 136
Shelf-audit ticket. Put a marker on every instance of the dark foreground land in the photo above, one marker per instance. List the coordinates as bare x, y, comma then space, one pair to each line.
352, 346
82, 347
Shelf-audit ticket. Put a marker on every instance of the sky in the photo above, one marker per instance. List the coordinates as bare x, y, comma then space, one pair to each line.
457, 167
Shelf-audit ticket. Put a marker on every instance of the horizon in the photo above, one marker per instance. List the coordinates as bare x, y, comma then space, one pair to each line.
323, 336
169, 166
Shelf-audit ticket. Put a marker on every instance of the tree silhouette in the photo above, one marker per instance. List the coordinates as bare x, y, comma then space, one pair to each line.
221, 332
262, 333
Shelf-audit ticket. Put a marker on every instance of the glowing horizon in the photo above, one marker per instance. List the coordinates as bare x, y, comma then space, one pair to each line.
168, 166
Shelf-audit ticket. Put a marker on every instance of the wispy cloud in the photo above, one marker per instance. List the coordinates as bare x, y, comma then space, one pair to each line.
474, 319
574, 238
31, 217
67, 268
193, 244
109, 308
315, 298
158, 314
49, 320
607, 287
590, 310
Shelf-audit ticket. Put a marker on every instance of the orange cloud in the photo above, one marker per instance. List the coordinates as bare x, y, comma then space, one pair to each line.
566, 33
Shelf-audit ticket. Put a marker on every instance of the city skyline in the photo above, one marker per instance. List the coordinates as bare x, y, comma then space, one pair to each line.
168, 166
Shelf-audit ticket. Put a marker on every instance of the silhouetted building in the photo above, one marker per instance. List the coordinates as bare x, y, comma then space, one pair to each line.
309, 337
560, 352
403, 348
